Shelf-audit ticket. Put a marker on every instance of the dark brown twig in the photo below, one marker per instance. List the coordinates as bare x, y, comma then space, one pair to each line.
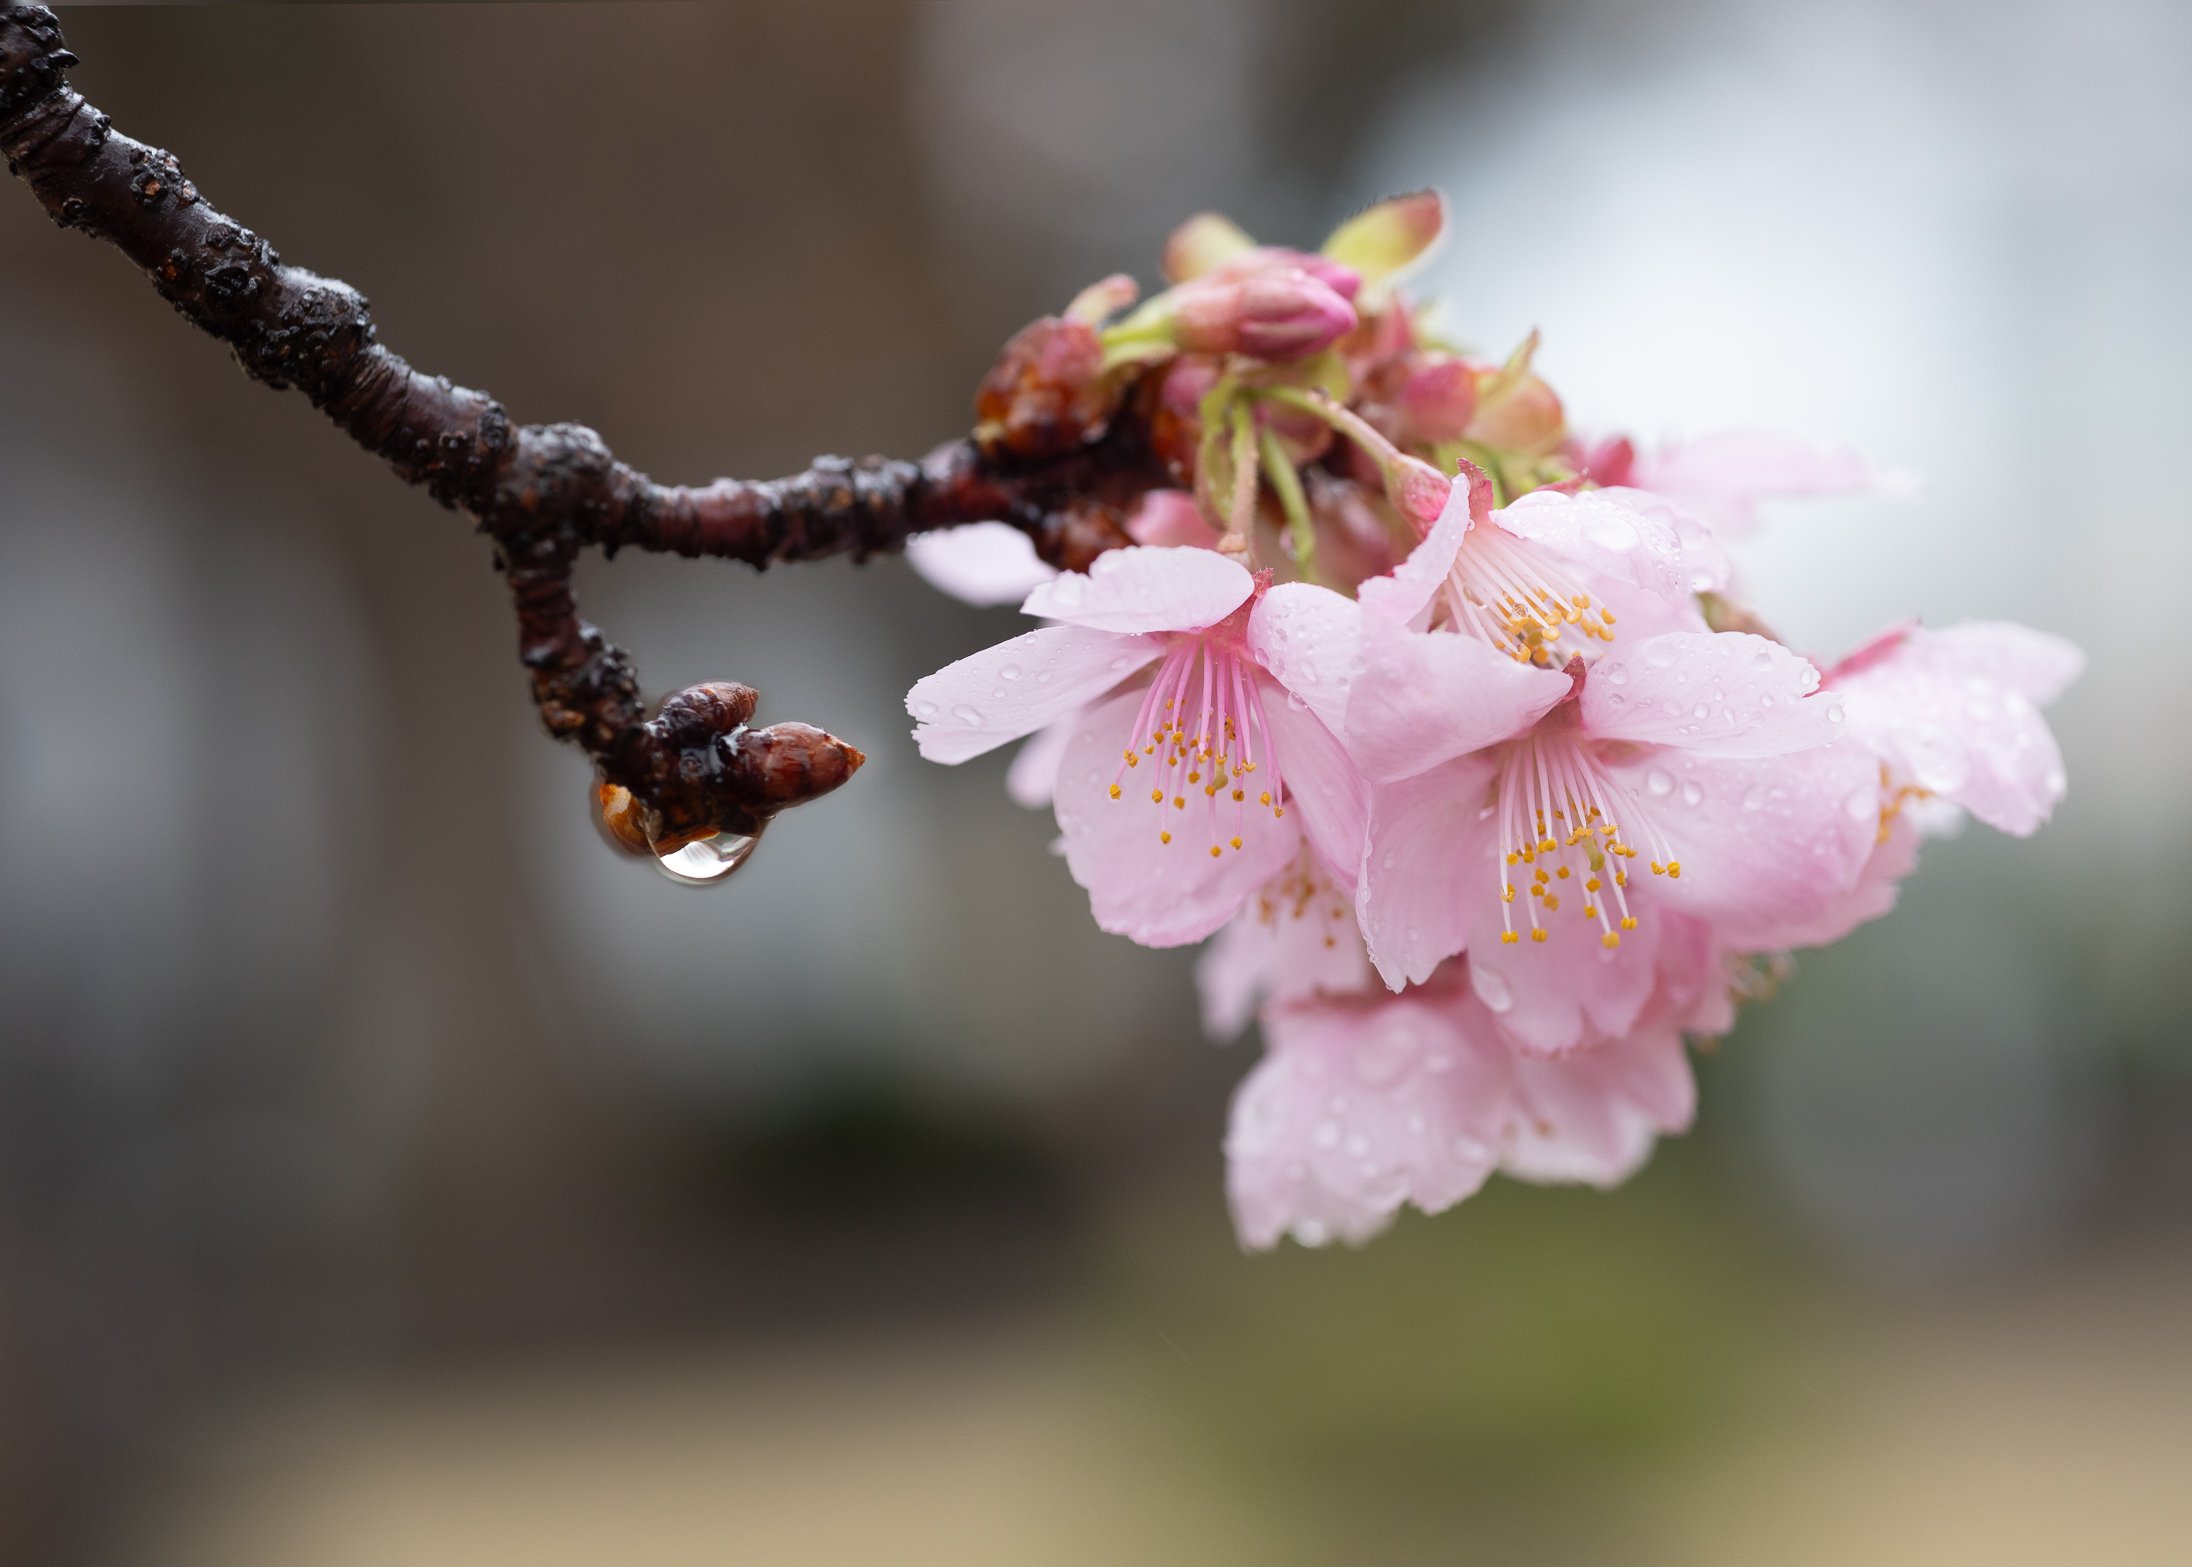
544, 493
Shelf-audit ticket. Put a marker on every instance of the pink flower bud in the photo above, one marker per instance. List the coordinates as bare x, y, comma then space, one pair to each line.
1436, 399
1526, 418
1274, 314
1416, 489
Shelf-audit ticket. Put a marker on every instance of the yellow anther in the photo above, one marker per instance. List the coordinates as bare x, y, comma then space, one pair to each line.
1552, 900
1115, 791
1590, 911
1508, 937
1628, 922
1610, 939
1264, 798
1674, 869
1156, 797
1507, 892
1215, 851
1164, 837
1562, 873
1277, 811
1236, 843
1179, 802
1658, 869
1240, 794
1590, 884
1538, 934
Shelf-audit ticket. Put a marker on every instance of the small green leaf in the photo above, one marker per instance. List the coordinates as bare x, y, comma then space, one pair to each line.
1390, 237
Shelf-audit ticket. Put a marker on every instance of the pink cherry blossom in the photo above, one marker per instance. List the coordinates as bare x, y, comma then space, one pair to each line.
1178, 794
1297, 938
1363, 1104
1955, 715
1692, 773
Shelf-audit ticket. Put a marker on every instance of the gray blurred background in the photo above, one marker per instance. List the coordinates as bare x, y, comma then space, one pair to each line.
388, 1174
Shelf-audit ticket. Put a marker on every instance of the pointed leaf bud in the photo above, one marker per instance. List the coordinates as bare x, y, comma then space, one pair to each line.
1202, 244
1390, 237
1098, 302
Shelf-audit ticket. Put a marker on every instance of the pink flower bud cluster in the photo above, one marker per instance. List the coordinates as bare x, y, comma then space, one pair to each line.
1449, 733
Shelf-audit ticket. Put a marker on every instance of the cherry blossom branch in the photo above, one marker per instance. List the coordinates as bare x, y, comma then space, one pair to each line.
546, 493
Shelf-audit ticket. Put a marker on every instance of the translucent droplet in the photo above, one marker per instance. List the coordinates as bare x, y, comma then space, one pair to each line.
924, 710
1617, 675
1860, 805
1009, 672
707, 860
1492, 989
1692, 792
1311, 1232
1659, 781
1326, 1136
970, 716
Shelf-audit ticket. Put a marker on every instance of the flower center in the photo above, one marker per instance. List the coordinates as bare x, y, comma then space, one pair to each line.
1560, 838
1517, 597
1202, 736
1303, 892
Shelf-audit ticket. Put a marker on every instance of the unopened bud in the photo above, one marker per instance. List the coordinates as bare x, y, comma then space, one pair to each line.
1525, 416
1274, 314
1432, 399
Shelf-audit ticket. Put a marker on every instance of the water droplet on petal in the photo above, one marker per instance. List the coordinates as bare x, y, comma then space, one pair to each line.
1492, 989
1692, 792
1009, 672
925, 710
970, 716
1617, 675
1659, 781
1326, 1136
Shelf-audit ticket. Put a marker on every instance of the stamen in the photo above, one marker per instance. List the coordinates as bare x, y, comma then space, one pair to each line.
1207, 730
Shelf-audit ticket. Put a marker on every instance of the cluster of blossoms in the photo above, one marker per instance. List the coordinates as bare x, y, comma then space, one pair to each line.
1447, 730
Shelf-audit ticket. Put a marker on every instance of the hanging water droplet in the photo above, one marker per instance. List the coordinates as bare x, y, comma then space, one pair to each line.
707, 860
925, 710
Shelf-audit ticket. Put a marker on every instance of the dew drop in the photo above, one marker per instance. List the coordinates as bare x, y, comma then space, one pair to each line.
970, 716
1358, 1147
1009, 672
925, 710
707, 860
1311, 1232
1617, 675
1861, 805
1326, 1136
1659, 781
1700, 711
1692, 792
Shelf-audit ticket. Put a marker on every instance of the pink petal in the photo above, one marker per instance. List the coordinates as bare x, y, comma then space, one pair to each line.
1145, 588
1017, 687
1358, 1108
1321, 784
2035, 664
1424, 698
1428, 840
1593, 1116
1551, 996
1948, 712
1622, 534
1402, 596
1310, 638
981, 563
1724, 476
1765, 843
1296, 939
1893, 857
1032, 778
1722, 693
1159, 894
1171, 517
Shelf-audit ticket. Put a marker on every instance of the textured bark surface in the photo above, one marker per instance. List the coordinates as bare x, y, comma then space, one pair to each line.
546, 493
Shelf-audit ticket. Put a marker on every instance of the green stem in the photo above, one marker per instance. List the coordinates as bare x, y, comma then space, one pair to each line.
1286, 484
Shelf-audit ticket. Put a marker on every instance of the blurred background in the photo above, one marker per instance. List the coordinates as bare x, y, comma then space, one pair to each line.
388, 1174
